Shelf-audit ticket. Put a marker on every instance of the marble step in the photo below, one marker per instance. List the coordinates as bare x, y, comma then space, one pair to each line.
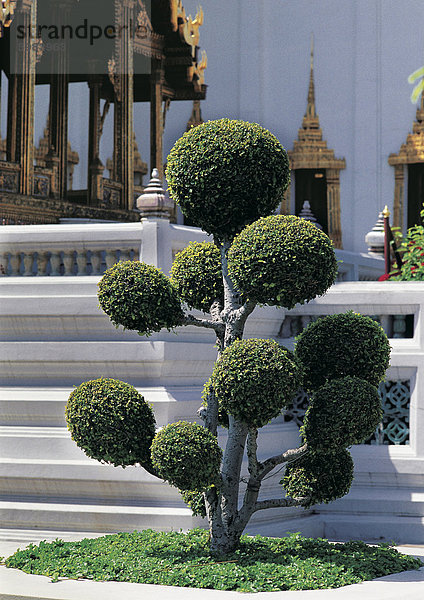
45, 406
86, 479
399, 502
141, 362
373, 528
94, 517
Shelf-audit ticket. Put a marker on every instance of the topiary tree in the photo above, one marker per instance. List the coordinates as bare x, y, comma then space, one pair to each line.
229, 177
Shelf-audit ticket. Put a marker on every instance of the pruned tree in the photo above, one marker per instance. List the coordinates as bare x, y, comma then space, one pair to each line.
228, 178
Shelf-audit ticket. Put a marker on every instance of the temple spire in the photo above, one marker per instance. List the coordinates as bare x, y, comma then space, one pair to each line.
310, 111
311, 120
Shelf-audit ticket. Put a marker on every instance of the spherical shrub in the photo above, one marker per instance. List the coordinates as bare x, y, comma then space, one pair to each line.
225, 174
319, 477
341, 345
196, 274
255, 379
111, 422
341, 413
187, 455
196, 502
282, 260
139, 297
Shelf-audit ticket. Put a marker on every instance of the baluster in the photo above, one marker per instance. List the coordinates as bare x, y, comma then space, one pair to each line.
89, 268
68, 262
28, 264
399, 326
4, 262
14, 264
385, 323
124, 255
103, 265
110, 258
81, 260
34, 268
43, 264
55, 262
21, 264
96, 262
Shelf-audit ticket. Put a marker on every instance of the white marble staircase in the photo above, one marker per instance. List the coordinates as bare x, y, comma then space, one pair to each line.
54, 337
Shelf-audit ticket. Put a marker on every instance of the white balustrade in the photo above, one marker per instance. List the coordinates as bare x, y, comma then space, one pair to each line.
89, 248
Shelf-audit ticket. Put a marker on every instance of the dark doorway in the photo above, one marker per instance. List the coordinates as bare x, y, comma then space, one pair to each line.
311, 185
415, 193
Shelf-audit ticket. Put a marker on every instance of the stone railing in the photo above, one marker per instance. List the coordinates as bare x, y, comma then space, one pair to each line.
86, 248
66, 249
399, 307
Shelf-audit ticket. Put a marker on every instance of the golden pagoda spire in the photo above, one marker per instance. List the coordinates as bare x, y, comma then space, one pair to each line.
310, 110
311, 120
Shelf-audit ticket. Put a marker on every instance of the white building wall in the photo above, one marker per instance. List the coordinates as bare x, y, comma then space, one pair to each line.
258, 70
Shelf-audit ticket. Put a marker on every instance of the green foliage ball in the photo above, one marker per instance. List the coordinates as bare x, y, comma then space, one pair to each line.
196, 502
187, 456
319, 477
340, 345
341, 413
196, 274
282, 260
139, 297
111, 422
255, 379
225, 174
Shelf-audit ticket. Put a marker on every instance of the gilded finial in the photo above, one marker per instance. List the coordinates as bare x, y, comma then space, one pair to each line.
310, 110
386, 212
312, 51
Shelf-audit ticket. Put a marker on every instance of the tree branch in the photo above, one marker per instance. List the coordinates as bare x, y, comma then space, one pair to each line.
279, 503
252, 449
218, 327
231, 467
209, 413
288, 456
231, 295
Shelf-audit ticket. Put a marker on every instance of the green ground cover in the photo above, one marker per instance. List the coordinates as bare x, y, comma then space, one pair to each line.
260, 564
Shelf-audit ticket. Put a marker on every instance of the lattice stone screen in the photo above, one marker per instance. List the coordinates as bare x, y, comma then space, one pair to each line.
394, 428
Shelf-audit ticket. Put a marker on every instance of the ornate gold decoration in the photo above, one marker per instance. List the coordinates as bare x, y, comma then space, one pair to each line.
143, 20
196, 116
187, 26
42, 150
140, 167
411, 152
310, 152
115, 78
191, 29
7, 11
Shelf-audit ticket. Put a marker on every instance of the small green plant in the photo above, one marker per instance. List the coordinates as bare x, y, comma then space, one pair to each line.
258, 565
278, 274
187, 455
111, 422
139, 297
363, 349
196, 275
225, 174
255, 379
319, 476
412, 249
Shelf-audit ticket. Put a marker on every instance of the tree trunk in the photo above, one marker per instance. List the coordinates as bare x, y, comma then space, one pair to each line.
226, 520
